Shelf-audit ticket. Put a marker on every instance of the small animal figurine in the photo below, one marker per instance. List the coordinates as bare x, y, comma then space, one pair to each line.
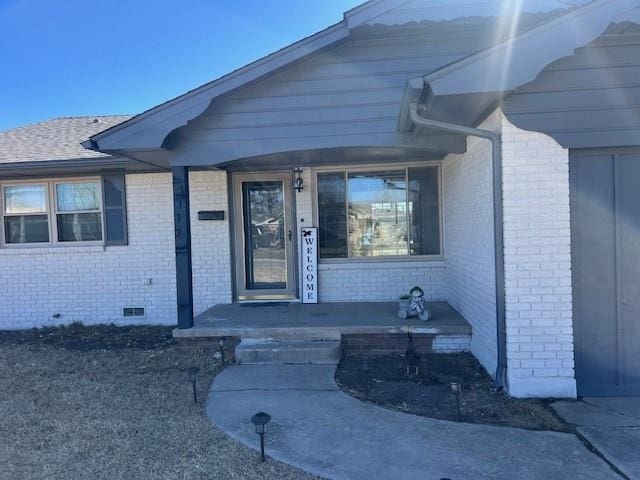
413, 305
413, 359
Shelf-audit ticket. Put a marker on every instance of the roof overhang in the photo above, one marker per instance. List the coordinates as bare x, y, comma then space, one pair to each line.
148, 130
78, 166
483, 79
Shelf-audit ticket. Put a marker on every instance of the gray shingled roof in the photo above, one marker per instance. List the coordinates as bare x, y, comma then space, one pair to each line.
55, 139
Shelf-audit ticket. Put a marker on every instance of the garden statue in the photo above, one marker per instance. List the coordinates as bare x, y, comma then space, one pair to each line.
413, 305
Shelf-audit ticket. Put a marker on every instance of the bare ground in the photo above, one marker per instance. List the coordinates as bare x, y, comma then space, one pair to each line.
107, 402
383, 380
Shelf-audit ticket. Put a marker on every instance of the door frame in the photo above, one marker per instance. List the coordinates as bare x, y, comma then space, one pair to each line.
241, 293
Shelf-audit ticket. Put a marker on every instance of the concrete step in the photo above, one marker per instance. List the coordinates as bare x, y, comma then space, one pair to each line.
292, 334
268, 351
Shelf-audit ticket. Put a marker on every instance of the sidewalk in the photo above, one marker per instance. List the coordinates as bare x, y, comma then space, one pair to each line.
611, 425
318, 428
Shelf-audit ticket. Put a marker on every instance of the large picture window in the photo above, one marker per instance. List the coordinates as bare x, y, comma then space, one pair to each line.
379, 213
52, 212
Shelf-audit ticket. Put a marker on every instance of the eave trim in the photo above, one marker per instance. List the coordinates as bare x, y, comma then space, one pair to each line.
530, 52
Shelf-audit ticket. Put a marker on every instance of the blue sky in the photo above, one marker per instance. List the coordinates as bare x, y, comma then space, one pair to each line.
86, 57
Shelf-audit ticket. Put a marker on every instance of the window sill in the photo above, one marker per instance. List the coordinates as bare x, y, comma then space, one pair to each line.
50, 249
376, 262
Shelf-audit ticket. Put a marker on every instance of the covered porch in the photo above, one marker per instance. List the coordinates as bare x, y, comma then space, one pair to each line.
387, 220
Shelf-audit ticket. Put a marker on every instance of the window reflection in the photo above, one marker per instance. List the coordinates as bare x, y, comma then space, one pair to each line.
20, 199
377, 213
265, 240
76, 203
77, 197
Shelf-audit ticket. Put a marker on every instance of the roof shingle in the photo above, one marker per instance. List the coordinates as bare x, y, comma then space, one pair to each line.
55, 139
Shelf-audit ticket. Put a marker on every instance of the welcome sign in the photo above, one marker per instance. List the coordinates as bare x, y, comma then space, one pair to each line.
309, 249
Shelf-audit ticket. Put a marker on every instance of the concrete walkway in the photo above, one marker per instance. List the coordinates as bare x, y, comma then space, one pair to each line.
612, 426
318, 428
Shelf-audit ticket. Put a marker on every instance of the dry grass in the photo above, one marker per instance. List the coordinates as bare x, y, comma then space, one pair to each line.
72, 409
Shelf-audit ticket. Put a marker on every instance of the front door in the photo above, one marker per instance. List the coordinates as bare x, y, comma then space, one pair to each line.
264, 236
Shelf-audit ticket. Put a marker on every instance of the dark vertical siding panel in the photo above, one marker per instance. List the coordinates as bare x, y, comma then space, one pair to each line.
115, 209
629, 242
605, 227
594, 274
184, 279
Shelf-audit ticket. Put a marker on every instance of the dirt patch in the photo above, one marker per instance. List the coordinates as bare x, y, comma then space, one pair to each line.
383, 380
109, 402
101, 337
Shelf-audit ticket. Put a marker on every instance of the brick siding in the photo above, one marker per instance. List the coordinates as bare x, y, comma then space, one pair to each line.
47, 286
210, 243
469, 243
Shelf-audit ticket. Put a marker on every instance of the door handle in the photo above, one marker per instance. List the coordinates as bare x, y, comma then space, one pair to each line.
289, 235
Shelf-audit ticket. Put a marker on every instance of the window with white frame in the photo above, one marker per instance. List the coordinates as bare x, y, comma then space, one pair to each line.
46, 212
26, 213
387, 212
78, 212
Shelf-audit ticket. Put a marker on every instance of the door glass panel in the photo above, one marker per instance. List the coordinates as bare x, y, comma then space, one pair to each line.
264, 235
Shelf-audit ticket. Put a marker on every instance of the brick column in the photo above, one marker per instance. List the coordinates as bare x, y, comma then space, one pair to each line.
537, 247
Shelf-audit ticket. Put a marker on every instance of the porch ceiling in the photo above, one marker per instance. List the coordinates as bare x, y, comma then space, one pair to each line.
326, 157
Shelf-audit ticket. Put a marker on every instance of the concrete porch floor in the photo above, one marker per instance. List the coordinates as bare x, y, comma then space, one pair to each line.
324, 320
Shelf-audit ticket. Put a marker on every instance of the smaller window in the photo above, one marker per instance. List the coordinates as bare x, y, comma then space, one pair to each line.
78, 212
26, 218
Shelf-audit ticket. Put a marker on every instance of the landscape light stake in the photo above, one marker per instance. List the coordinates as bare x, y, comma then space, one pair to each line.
456, 388
193, 378
221, 350
260, 421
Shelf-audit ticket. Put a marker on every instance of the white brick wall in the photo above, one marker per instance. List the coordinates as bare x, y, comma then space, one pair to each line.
380, 281
469, 243
210, 244
537, 241
92, 284
451, 343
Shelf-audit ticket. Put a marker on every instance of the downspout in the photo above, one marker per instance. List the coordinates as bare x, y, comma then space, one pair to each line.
496, 147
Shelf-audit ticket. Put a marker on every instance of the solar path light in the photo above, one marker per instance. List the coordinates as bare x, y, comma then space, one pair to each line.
193, 378
260, 421
456, 389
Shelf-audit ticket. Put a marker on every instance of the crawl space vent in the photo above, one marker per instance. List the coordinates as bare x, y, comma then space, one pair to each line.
133, 312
